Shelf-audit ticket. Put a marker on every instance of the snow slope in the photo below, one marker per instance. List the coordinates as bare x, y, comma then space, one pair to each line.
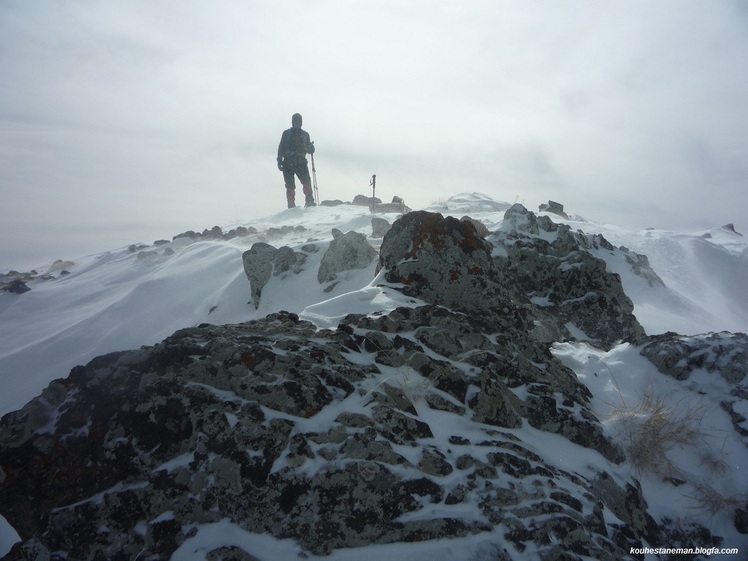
121, 299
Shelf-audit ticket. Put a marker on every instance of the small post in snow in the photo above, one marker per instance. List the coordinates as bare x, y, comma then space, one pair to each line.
373, 184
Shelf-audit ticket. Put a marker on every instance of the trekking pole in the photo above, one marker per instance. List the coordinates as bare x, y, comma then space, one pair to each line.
373, 184
314, 182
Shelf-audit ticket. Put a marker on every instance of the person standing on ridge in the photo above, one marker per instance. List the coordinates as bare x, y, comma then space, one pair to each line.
292, 151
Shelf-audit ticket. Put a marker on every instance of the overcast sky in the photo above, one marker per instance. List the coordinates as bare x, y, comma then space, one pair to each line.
126, 121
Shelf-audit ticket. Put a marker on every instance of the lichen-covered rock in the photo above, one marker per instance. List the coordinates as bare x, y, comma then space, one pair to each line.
346, 252
679, 355
495, 404
288, 430
574, 295
541, 274
444, 261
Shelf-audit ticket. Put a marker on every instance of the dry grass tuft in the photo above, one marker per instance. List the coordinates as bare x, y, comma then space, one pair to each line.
712, 501
652, 428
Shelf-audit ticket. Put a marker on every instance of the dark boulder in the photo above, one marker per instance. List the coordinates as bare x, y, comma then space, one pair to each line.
16, 286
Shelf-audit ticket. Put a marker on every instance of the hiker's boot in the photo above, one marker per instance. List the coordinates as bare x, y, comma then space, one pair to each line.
310, 201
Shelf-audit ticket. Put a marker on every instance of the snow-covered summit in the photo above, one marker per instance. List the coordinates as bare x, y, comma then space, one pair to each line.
572, 414
127, 297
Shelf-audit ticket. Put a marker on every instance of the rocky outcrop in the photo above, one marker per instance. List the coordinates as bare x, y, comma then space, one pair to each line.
397, 205
263, 260
375, 204
223, 422
715, 354
678, 356
15, 286
16, 282
346, 252
541, 273
444, 261
640, 266
574, 295
423, 423
553, 207
214, 233
363, 200
731, 228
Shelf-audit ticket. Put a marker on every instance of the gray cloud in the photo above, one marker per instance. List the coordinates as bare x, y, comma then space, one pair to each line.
136, 120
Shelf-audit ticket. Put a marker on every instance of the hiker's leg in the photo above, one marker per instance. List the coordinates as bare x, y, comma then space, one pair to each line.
288, 178
306, 184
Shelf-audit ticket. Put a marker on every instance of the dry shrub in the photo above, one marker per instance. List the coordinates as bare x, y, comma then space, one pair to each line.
712, 501
651, 428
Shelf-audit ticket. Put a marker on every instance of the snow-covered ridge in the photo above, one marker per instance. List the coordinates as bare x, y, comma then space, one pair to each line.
123, 299
131, 297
